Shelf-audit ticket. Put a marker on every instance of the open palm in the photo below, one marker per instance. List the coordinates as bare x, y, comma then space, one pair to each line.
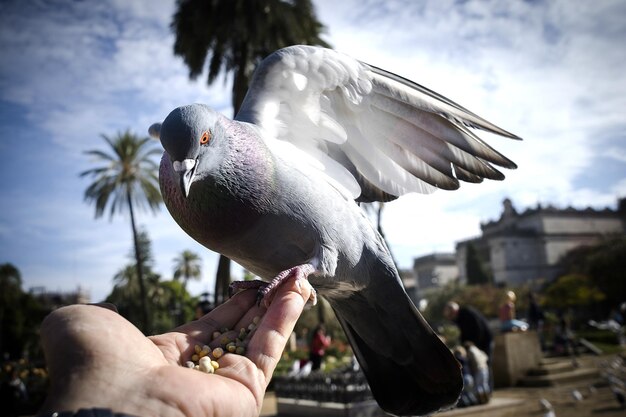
97, 358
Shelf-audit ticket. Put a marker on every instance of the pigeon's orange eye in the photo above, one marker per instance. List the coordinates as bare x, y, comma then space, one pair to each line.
206, 136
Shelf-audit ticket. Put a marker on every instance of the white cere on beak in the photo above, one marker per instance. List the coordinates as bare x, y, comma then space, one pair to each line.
184, 165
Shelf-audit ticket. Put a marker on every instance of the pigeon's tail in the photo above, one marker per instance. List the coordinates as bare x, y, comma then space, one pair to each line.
409, 369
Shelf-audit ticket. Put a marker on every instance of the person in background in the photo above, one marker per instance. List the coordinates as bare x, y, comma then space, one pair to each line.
564, 338
508, 322
319, 343
474, 328
468, 395
477, 361
536, 318
472, 325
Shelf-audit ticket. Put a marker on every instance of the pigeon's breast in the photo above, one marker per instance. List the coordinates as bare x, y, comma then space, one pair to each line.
213, 213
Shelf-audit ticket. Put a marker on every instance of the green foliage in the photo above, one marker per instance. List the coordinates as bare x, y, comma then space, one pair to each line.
187, 265
169, 302
607, 265
604, 264
127, 176
437, 300
234, 35
173, 306
20, 315
450, 334
606, 337
573, 290
476, 272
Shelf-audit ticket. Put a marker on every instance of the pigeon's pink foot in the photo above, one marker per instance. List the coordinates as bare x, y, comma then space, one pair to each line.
267, 290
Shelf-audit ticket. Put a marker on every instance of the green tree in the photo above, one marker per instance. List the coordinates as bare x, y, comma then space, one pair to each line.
604, 263
127, 290
20, 315
10, 293
474, 266
233, 36
169, 302
571, 291
126, 179
187, 266
175, 306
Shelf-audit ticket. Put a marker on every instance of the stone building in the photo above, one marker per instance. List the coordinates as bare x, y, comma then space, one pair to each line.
527, 246
435, 270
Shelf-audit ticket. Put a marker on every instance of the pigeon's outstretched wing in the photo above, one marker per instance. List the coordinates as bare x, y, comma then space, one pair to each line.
377, 134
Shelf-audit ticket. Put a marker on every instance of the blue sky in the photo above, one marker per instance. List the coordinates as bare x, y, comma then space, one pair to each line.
549, 71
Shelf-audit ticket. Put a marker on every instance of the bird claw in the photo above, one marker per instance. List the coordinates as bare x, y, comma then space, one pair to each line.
266, 290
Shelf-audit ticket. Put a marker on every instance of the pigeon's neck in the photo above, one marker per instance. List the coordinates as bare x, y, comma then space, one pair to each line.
248, 169
230, 198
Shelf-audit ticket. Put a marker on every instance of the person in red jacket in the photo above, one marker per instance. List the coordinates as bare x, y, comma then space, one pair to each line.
319, 343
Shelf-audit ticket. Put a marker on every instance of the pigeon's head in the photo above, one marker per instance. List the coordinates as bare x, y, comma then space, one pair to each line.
186, 135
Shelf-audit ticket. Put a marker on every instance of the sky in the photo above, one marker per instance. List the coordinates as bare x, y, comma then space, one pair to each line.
551, 72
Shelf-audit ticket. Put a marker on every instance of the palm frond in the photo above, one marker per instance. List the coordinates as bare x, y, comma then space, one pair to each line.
129, 166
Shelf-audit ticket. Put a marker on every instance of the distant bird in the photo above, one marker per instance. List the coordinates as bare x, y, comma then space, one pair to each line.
576, 395
275, 191
546, 407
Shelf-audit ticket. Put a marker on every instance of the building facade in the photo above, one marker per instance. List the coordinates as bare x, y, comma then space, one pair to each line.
522, 247
435, 270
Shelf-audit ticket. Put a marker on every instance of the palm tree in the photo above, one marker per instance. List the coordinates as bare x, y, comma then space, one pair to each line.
126, 179
238, 34
187, 266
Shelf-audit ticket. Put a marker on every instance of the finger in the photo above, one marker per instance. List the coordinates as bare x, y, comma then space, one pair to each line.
226, 315
275, 328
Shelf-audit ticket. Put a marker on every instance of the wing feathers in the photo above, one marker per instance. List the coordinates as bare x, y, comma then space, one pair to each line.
383, 171
446, 130
393, 85
391, 135
437, 153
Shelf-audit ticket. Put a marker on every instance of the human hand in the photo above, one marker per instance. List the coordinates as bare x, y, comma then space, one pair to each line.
97, 359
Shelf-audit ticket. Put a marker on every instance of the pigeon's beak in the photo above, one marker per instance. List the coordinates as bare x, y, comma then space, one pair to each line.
185, 170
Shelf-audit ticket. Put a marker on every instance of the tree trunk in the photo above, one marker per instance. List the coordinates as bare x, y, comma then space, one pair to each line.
142, 288
321, 310
222, 280
241, 78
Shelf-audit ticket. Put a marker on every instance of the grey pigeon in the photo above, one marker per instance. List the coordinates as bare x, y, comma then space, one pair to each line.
547, 408
275, 191
576, 395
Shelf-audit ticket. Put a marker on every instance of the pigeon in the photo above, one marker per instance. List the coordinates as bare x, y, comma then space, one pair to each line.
576, 395
546, 408
277, 191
